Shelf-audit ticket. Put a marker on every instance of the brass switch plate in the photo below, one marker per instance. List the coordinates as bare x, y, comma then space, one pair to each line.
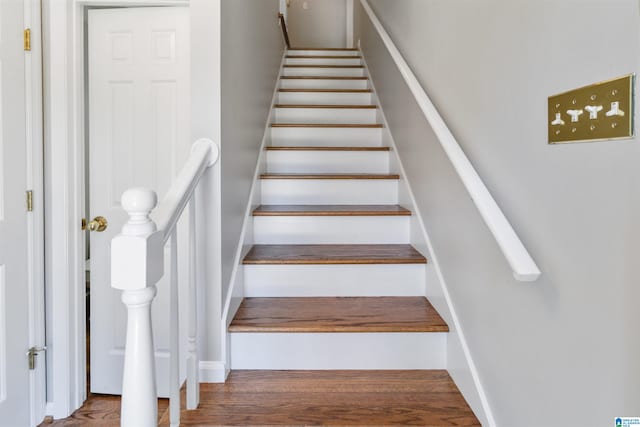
599, 112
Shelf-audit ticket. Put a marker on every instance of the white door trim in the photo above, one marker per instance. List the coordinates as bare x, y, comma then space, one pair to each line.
35, 220
64, 64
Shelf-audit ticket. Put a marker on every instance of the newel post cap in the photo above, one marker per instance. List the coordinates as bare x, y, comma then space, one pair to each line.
139, 200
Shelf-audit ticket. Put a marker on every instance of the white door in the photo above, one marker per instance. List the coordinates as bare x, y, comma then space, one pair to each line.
139, 136
14, 297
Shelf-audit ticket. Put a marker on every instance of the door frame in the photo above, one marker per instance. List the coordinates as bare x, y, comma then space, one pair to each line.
64, 63
35, 220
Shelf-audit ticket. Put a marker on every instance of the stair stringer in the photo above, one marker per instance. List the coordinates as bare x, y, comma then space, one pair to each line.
459, 361
217, 371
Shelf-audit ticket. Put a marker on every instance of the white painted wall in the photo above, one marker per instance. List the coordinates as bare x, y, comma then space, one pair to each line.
563, 350
237, 49
321, 23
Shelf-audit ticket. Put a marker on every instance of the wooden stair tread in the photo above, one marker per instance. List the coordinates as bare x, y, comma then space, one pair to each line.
322, 57
373, 398
337, 49
333, 254
337, 314
321, 66
324, 78
328, 125
331, 210
329, 106
326, 90
328, 176
312, 148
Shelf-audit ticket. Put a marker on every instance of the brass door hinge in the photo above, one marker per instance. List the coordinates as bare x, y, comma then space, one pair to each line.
27, 39
30, 201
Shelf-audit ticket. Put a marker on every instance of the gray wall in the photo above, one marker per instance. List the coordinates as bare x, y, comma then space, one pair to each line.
237, 48
562, 351
323, 24
252, 48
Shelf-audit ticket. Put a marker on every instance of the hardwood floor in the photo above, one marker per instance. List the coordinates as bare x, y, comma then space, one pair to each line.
309, 398
333, 254
337, 398
100, 410
350, 314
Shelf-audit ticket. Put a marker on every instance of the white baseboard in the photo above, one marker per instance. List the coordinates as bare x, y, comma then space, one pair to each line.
213, 371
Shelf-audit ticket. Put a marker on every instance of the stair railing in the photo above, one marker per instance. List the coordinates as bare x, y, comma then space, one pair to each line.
522, 264
285, 32
137, 264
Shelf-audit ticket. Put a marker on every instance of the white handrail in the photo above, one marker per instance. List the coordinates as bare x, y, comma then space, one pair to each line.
522, 264
137, 264
204, 154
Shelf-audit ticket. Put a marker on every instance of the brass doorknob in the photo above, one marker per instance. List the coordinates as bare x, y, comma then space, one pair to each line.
98, 224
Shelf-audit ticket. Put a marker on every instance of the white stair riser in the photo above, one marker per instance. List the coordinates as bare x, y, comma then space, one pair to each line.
298, 230
325, 98
297, 52
326, 115
323, 84
328, 137
372, 280
329, 191
328, 161
324, 61
321, 71
338, 351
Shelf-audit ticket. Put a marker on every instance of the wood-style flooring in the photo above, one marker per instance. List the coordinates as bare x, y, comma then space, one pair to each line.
333, 254
314, 398
331, 314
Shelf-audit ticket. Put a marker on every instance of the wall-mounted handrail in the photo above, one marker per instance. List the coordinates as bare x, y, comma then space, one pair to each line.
137, 264
522, 264
285, 32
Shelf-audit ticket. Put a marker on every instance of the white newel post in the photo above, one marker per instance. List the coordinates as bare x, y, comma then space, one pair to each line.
136, 266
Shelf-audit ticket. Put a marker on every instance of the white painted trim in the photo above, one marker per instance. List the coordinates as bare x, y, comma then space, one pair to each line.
35, 220
212, 372
420, 239
235, 293
350, 4
63, 30
523, 266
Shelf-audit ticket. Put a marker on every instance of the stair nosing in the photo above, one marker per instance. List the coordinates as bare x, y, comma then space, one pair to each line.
322, 57
320, 148
321, 66
303, 90
327, 106
354, 211
335, 49
324, 78
256, 316
329, 176
328, 125
353, 259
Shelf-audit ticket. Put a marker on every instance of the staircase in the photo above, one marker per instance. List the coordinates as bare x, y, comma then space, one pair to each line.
333, 288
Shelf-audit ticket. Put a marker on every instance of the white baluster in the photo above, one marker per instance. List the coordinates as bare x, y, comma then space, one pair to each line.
193, 381
174, 335
136, 267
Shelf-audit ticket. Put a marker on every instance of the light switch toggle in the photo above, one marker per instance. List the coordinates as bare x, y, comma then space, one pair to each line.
593, 111
615, 110
558, 121
575, 115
